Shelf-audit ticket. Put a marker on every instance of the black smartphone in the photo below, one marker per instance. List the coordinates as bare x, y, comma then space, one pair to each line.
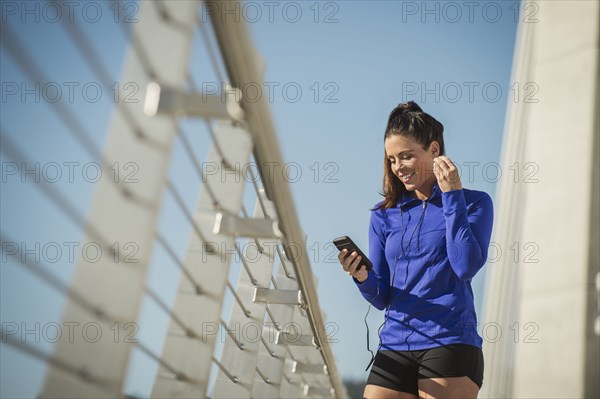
346, 242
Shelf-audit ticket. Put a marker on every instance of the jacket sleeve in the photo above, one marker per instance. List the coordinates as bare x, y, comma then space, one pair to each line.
468, 232
375, 289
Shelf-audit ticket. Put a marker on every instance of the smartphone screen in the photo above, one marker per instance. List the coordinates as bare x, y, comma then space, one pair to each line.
346, 242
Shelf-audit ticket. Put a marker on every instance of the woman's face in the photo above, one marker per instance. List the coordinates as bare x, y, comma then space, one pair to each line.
410, 162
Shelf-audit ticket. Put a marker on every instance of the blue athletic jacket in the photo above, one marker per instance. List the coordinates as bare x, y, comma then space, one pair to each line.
430, 301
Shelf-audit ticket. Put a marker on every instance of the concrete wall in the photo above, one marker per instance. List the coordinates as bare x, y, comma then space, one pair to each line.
541, 295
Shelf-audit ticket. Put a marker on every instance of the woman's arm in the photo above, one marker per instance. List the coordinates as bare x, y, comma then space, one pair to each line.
375, 288
468, 233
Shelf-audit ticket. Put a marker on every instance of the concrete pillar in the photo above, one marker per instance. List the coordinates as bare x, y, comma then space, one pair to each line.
541, 299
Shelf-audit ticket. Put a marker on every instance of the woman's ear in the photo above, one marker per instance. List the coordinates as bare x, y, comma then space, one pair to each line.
435, 148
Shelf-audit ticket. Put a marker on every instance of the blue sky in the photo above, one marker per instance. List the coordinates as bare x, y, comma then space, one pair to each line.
352, 61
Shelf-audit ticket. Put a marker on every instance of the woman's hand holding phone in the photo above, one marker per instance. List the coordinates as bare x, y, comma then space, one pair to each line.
351, 263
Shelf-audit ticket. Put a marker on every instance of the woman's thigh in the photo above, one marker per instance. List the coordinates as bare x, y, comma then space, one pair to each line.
429, 388
378, 392
451, 371
448, 388
393, 375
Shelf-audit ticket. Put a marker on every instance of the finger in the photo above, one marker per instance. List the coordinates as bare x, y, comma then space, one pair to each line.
355, 264
342, 255
358, 269
346, 265
347, 262
437, 173
346, 258
452, 170
440, 170
446, 169
447, 161
441, 163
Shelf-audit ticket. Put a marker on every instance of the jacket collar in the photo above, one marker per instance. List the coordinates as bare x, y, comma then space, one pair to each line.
436, 192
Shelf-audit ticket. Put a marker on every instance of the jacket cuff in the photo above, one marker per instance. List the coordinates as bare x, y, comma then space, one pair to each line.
452, 201
369, 285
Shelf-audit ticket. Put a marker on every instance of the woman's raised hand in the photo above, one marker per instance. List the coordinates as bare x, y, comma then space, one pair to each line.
446, 174
352, 266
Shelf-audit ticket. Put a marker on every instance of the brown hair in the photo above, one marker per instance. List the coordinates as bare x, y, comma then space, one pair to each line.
407, 120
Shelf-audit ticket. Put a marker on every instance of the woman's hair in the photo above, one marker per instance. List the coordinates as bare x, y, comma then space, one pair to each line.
407, 120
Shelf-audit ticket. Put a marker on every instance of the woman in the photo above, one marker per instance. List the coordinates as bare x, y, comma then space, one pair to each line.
428, 238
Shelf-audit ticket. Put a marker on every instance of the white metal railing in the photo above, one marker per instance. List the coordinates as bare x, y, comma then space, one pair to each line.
274, 343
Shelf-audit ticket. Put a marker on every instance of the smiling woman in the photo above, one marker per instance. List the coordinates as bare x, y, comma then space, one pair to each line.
412, 141
433, 234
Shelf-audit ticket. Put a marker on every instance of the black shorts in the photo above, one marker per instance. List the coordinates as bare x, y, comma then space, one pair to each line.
400, 370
